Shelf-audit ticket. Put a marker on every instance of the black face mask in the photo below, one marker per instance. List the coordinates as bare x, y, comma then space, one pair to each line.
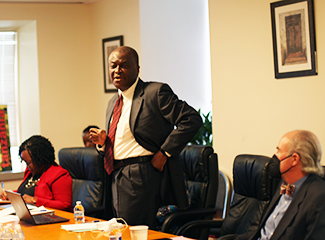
274, 167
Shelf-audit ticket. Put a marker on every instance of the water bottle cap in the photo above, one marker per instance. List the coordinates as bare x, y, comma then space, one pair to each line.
78, 202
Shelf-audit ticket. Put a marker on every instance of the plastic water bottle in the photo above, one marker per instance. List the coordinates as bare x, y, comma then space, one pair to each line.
6, 233
1, 230
18, 233
11, 229
79, 213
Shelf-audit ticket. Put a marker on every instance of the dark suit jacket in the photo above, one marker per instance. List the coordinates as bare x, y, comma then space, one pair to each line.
155, 112
305, 217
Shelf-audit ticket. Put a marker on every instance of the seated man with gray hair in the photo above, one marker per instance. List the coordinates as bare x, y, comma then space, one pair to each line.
297, 210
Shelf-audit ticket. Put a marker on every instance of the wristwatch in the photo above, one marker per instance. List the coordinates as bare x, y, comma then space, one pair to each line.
165, 153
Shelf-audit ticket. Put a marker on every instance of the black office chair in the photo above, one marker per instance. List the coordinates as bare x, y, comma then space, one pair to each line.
224, 197
200, 165
223, 201
90, 180
253, 190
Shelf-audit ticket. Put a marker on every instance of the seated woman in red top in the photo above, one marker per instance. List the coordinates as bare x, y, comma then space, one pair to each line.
45, 182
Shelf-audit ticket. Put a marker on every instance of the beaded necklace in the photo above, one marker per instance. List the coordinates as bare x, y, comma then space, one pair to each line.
31, 182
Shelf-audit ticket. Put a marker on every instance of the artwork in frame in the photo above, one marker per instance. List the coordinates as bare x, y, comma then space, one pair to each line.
294, 43
5, 158
109, 44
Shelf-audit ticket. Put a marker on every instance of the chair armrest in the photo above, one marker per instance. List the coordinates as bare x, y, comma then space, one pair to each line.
189, 215
95, 211
228, 237
201, 224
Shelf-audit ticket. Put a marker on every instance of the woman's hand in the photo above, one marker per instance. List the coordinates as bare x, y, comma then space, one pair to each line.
29, 199
3, 195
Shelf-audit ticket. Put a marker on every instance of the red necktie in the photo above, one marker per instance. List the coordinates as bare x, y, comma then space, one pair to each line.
286, 188
109, 144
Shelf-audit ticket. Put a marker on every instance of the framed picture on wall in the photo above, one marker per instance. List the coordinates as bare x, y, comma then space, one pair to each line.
5, 158
294, 44
109, 44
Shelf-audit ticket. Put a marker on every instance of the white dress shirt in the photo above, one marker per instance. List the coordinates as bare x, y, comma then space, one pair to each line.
125, 145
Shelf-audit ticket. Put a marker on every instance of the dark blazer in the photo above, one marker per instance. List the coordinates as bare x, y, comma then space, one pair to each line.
305, 217
155, 112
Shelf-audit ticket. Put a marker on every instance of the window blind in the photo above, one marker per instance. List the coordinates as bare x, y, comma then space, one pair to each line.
8, 81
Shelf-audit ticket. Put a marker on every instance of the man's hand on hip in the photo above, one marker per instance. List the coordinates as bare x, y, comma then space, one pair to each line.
158, 161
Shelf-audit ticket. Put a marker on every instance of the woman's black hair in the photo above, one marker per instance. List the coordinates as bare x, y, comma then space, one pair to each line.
40, 150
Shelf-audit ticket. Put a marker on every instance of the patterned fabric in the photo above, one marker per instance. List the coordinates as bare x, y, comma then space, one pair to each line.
109, 144
286, 188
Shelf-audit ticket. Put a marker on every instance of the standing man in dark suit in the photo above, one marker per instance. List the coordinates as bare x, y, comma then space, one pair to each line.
297, 211
153, 128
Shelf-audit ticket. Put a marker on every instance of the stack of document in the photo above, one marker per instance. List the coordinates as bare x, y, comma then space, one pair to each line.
81, 227
9, 219
9, 210
105, 226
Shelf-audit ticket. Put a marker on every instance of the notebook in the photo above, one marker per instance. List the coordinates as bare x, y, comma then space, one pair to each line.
24, 214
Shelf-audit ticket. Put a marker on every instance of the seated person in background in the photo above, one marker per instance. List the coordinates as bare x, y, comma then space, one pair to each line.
45, 182
297, 210
85, 137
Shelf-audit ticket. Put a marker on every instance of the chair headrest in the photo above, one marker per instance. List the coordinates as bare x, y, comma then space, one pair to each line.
251, 177
194, 159
82, 163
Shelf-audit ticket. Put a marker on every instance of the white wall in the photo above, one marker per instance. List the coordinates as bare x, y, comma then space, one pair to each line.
252, 109
29, 105
66, 92
175, 48
106, 20
54, 69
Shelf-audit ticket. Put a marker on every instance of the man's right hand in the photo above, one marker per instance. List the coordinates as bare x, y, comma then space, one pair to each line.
98, 136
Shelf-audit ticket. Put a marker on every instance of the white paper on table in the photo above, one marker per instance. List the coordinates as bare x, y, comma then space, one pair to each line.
9, 218
40, 210
105, 226
6, 211
81, 227
33, 210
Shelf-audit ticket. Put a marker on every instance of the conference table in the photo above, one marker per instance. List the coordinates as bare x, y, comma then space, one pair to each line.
54, 231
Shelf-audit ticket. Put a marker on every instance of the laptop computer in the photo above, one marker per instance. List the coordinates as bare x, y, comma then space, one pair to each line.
24, 214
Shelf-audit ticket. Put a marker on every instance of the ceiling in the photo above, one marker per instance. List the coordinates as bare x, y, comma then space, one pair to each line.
49, 1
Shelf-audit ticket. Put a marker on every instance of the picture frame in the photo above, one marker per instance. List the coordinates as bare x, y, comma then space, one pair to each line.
109, 45
294, 42
5, 157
